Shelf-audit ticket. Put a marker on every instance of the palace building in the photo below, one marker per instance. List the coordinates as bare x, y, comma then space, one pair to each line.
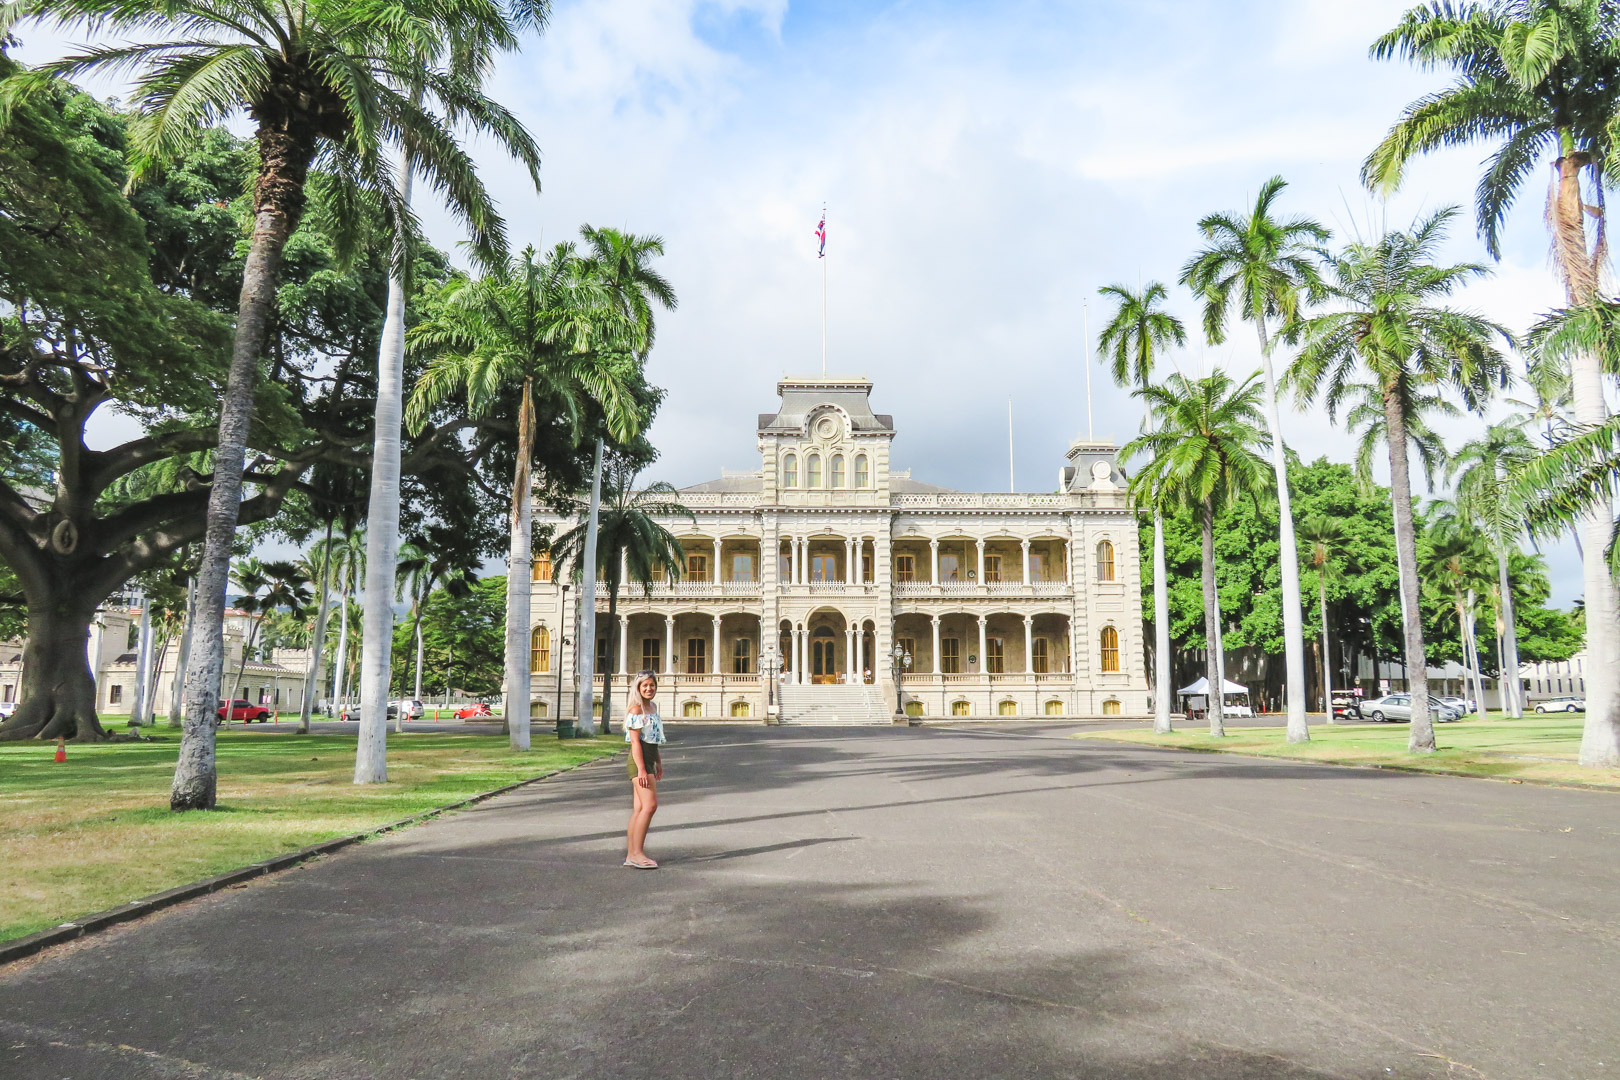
801, 577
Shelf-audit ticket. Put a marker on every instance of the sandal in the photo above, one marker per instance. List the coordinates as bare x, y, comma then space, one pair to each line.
648, 865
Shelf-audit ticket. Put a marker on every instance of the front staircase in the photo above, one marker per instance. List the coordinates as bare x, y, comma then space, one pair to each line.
835, 704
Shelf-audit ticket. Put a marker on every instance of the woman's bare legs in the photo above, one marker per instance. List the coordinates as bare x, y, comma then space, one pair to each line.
643, 807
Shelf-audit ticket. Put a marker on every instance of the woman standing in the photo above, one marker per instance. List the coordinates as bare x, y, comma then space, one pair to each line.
644, 731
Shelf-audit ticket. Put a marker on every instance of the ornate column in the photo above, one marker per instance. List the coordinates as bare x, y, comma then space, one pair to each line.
984, 652
714, 575
624, 643
804, 654
849, 560
980, 541
860, 655
669, 644
1025, 543
933, 554
1029, 642
935, 620
714, 665
849, 652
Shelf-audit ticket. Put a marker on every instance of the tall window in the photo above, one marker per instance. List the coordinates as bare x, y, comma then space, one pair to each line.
812, 471
790, 471
992, 569
837, 479
824, 568
601, 655
115, 694
652, 654
1105, 561
950, 656
1037, 566
1110, 649
866, 565
950, 567
909, 646
697, 568
863, 475
742, 568
1041, 659
995, 656
742, 657
542, 567
905, 568
540, 651
697, 655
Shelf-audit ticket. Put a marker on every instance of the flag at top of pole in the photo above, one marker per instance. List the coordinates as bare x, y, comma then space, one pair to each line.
821, 253
821, 234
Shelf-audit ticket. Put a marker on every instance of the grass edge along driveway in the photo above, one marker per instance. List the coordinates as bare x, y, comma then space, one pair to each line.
1539, 749
96, 831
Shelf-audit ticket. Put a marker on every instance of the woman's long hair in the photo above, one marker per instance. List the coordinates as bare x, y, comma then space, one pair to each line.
633, 697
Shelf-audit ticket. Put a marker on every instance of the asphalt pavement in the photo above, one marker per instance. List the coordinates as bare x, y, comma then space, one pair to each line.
875, 903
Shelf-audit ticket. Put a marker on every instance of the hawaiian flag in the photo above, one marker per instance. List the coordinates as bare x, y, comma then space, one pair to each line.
821, 234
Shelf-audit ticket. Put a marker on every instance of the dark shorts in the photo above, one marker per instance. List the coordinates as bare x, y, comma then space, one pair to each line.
649, 754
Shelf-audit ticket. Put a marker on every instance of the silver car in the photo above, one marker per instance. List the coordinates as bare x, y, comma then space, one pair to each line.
1399, 707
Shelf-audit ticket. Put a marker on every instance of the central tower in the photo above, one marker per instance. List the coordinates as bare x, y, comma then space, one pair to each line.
825, 446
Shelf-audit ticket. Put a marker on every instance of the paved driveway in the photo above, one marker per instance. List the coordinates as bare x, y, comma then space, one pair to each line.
890, 904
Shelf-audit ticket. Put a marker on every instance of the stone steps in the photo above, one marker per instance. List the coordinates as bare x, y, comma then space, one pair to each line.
834, 705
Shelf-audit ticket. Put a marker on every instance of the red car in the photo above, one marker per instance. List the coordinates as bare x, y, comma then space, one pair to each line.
245, 712
468, 712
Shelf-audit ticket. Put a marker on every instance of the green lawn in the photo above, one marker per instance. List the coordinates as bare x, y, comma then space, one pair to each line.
1539, 748
96, 831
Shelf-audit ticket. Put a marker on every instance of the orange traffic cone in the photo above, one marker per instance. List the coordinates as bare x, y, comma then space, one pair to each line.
61, 749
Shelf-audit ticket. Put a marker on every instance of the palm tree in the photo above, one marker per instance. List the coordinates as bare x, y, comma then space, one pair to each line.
419, 572
1452, 568
1327, 551
466, 54
251, 576
323, 83
1483, 470
1204, 458
1264, 267
631, 547
1540, 78
1392, 326
1139, 329
349, 565
540, 327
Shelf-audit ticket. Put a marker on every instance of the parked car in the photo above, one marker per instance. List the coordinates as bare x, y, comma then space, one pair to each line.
352, 712
7, 708
1462, 705
410, 708
1399, 707
469, 712
1570, 703
245, 711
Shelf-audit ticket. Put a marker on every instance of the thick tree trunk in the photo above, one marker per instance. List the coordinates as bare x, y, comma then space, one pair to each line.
382, 521
612, 649
586, 725
1327, 656
1212, 637
1161, 632
317, 635
1509, 637
57, 695
1420, 739
177, 691
284, 159
519, 579
1293, 604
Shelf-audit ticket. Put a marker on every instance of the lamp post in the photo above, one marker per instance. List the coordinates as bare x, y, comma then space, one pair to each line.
902, 663
772, 664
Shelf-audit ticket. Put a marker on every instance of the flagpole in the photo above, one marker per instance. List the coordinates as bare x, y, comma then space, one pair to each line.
824, 291
1085, 319
1012, 483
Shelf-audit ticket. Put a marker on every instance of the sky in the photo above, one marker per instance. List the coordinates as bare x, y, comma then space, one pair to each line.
985, 168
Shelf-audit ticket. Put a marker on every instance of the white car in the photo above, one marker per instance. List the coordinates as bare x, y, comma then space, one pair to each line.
410, 708
1561, 704
7, 708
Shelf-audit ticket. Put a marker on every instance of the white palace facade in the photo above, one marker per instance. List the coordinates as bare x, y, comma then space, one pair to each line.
800, 578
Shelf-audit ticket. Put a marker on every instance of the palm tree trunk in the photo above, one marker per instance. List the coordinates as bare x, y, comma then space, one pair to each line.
1420, 739
518, 584
340, 662
416, 632
1161, 632
317, 634
177, 690
382, 517
587, 611
1212, 638
1327, 661
1293, 604
1509, 637
1470, 642
143, 663
612, 640
284, 158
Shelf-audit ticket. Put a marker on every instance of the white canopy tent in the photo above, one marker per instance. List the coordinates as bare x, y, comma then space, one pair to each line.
1202, 687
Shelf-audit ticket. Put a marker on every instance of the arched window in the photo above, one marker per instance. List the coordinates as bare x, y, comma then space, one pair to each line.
540, 651
863, 475
961, 708
1008, 708
1054, 707
1105, 561
1110, 649
812, 471
740, 708
1111, 707
542, 567
790, 471
692, 708
837, 478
